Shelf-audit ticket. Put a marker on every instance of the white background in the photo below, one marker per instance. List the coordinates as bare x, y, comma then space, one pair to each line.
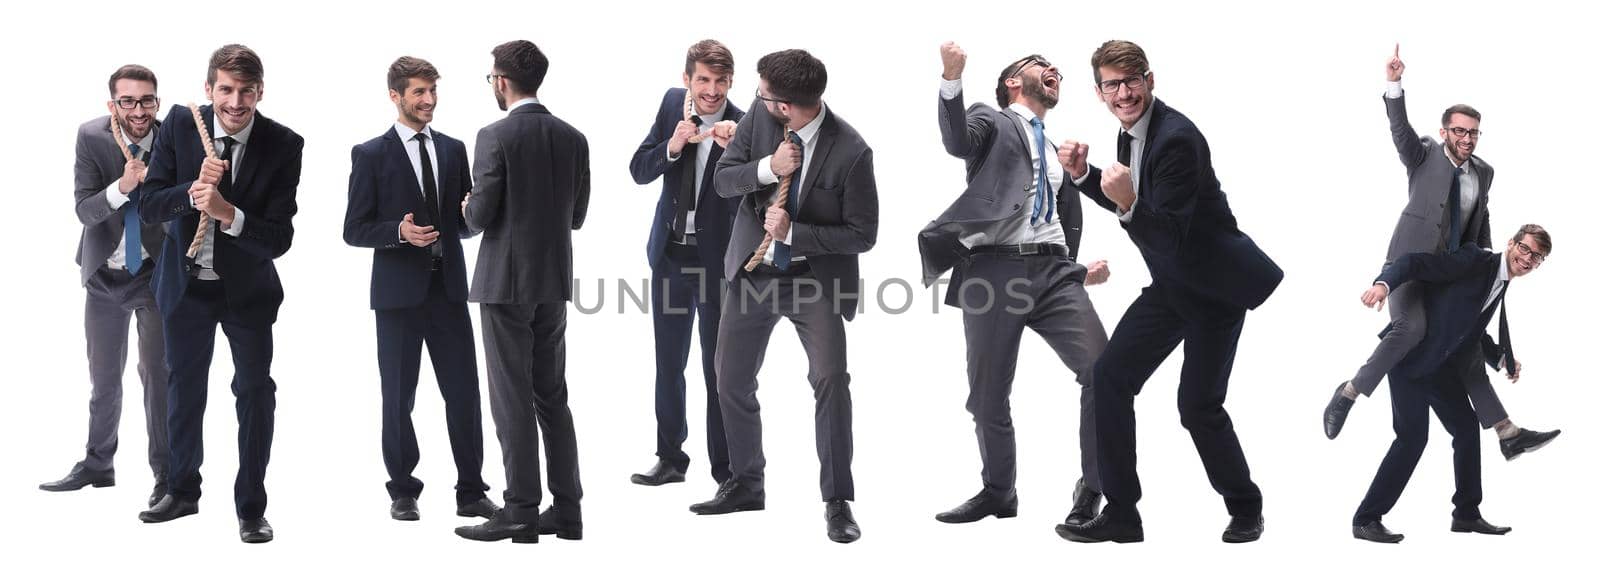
1287, 94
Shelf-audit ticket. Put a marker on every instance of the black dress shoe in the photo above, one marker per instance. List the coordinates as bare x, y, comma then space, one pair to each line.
1477, 526
1334, 415
1375, 532
255, 531
498, 528
1244, 529
732, 496
661, 474
1102, 529
168, 509
563, 522
1526, 441
404, 509
982, 505
79, 477
842, 526
156, 493
483, 508
1085, 504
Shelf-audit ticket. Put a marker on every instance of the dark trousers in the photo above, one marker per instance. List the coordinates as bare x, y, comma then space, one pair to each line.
1154, 324
113, 298
1408, 318
525, 349
751, 308
191, 333
681, 291
1000, 297
446, 328
1445, 392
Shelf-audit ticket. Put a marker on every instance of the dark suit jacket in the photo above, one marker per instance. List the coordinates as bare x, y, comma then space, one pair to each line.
1424, 224
383, 189
1456, 286
1182, 224
264, 188
100, 163
836, 214
713, 220
999, 173
530, 190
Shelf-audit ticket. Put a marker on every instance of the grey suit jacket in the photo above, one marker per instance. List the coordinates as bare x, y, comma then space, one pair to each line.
999, 174
100, 163
837, 207
530, 190
1424, 224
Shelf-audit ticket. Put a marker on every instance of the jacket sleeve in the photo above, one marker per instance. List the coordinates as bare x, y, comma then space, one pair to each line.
650, 160
1167, 200
736, 173
580, 206
1433, 268
89, 185
268, 234
1406, 142
965, 134
488, 182
363, 227
163, 197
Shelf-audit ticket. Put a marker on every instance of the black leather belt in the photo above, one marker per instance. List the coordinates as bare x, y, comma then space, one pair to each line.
795, 269
1022, 250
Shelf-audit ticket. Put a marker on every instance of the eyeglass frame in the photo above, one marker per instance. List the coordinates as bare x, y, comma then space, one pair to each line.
155, 102
772, 99
1133, 83
489, 78
1464, 132
1537, 258
1023, 64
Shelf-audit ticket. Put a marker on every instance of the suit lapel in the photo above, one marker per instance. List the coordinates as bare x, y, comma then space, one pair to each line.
1158, 110
396, 152
825, 139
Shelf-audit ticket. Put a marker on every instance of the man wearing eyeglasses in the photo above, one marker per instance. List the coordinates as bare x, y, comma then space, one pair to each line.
809, 273
530, 190
248, 193
1012, 239
1205, 274
1448, 206
115, 269
1461, 288
688, 239
405, 198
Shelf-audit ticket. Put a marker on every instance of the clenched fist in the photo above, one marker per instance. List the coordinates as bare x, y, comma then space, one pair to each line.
1375, 296
680, 136
787, 159
1074, 158
132, 175
1117, 184
1099, 272
955, 60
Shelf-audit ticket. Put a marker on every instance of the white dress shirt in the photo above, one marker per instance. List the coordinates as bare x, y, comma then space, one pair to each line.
764, 175
204, 259
114, 196
702, 157
1019, 228
408, 138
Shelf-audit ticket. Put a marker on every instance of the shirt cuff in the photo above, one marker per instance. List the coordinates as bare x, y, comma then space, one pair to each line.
788, 238
238, 222
1393, 90
1127, 217
397, 232
1078, 181
1386, 288
673, 157
114, 196
764, 175
949, 88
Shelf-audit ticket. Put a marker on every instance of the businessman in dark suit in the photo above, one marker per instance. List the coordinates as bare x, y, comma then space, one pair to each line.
1204, 274
1447, 206
113, 266
688, 238
808, 274
405, 194
249, 193
1461, 290
530, 191
1012, 239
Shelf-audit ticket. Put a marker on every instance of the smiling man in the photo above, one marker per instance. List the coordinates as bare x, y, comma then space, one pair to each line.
1205, 274
405, 194
688, 238
112, 264
1461, 289
249, 193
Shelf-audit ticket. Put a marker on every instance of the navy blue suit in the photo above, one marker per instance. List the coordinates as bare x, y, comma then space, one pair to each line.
1436, 374
686, 281
1204, 274
417, 298
244, 302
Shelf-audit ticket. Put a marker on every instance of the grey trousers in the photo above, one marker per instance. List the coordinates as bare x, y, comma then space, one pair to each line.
114, 297
1409, 324
1045, 294
751, 308
525, 353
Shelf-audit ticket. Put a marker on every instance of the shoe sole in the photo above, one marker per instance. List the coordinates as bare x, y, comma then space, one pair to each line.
1487, 533
1240, 540
997, 515
470, 514
152, 519
412, 517
1531, 449
96, 485
751, 507
568, 535
638, 480
515, 539
1070, 535
1397, 539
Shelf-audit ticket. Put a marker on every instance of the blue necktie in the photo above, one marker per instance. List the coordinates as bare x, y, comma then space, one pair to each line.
780, 250
1041, 193
132, 252
1453, 203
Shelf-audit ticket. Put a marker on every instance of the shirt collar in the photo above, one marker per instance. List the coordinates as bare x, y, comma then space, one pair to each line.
406, 133
144, 143
715, 116
217, 132
1027, 114
1505, 272
1465, 166
1141, 128
810, 130
520, 103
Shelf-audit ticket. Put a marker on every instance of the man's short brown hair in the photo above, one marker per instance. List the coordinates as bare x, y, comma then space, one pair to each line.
1119, 54
132, 72
1537, 233
238, 60
712, 54
1467, 110
405, 69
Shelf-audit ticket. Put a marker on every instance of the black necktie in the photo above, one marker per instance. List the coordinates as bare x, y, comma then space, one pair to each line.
688, 195
1505, 331
430, 191
1125, 149
225, 185
1453, 207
